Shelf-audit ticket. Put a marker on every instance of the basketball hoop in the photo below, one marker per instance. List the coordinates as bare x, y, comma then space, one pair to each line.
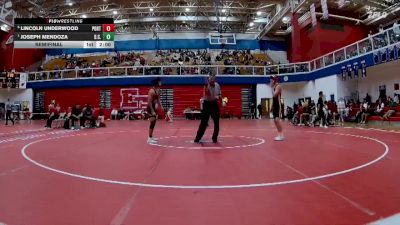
223, 42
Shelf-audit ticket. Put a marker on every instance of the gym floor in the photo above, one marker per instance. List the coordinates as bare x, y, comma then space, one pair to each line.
112, 176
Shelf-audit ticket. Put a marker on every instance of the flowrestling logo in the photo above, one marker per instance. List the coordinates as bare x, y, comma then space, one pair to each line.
132, 99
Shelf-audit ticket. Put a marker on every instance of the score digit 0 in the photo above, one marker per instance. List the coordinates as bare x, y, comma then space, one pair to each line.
108, 27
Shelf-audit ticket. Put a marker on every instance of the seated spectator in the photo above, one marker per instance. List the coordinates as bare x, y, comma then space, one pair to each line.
364, 112
54, 113
26, 112
392, 104
87, 115
75, 116
379, 108
121, 114
305, 114
99, 116
114, 114
169, 116
67, 117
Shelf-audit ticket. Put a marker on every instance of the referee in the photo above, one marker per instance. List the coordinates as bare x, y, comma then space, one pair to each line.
212, 93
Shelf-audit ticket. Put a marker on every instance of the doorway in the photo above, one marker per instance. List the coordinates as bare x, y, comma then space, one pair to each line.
266, 104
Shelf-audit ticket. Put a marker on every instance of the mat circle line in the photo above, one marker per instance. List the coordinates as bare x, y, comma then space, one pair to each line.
255, 185
260, 142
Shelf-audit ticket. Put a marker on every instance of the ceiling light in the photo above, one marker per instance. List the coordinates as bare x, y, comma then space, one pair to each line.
115, 12
70, 3
151, 9
286, 19
84, 16
8, 5
251, 24
223, 10
4, 28
187, 9
259, 13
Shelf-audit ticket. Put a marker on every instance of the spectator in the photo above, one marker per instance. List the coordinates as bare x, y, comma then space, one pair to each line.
114, 114
67, 117
260, 111
253, 112
396, 98
392, 104
364, 112
54, 113
9, 112
169, 116
368, 99
121, 114
75, 116
99, 116
87, 115
379, 108
321, 114
305, 115
342, 111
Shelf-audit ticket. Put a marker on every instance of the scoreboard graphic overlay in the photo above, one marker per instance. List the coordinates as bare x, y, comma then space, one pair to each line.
64, 33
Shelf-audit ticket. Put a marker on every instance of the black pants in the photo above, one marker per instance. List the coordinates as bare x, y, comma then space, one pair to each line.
322, 117
209, 109
74, 119
50, 120
8, 117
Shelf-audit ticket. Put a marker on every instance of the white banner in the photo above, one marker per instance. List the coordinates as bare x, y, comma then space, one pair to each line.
23, 78
313, 15
341, 3
325, 13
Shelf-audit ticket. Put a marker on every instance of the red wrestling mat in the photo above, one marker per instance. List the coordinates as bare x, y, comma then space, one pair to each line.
112, 176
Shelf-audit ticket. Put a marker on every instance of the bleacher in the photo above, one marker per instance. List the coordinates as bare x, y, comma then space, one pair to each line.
395, 117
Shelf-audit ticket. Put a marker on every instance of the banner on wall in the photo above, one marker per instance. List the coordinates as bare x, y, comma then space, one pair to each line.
355, 69
363, 69
341, 3
313, 15
131, 98
349, 71
391, 53
325, 13
344, 73
23, 78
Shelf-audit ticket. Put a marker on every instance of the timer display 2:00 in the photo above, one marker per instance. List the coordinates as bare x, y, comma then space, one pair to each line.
104, 44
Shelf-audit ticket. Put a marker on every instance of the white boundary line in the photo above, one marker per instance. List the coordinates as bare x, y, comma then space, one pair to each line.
23, 152
260, 142
391, 220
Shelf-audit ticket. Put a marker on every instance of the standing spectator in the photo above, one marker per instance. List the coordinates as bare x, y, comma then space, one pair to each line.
368, 99
364, 112
342, 111
9, 112
321, 114
260, 111
253, 111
